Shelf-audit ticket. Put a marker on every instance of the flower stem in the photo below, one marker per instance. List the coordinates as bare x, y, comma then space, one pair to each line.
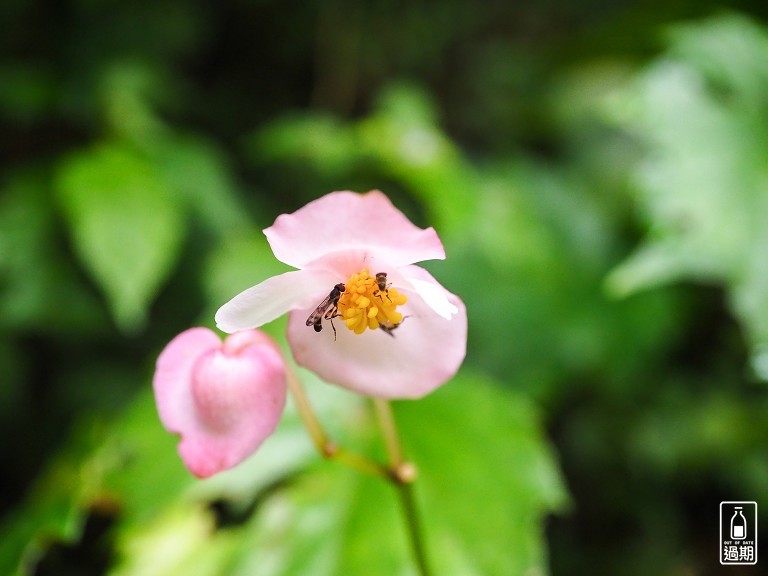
312, 424
389, 431
413, 522
403, 473
323, 443
399, 471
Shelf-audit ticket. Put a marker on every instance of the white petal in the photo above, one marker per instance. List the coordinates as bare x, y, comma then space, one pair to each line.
429, 289
274, 297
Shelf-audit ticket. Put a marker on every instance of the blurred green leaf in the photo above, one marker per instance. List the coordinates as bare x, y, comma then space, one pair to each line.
325, 142
731, 51
126, 90
674, 435
487, 477
126, 224
40, 289
406, 142
201, 176
54, 510
703, 184
177, 541
483, 492
531, 277
138, 465
400, 140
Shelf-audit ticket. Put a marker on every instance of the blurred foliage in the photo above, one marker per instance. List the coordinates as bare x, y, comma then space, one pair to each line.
701, 112
596, 173
287, 513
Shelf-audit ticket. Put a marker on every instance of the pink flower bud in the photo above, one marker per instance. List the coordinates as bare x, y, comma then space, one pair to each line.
223, 398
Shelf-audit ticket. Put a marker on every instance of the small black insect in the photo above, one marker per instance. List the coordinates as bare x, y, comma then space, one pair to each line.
328, 309
381, 282
389, 328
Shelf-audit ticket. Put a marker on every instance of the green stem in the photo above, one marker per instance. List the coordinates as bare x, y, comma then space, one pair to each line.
389, 431
413, 522
359, 462
324, 445
400, 472
403, 473
307, 414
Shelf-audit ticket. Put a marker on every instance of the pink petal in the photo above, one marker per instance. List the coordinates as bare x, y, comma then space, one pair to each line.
173, 373
429, 289
344, 221
274, 297
224, 401
426, 351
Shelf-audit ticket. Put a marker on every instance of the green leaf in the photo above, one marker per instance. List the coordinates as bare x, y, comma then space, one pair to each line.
731, 51
487, 477
54, 509
401, 139
125, 222
703, 182
177, 541
402, 136
37, 275
200, 174
326, 144
127, 88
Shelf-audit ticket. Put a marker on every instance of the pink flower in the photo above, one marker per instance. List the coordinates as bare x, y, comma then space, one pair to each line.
224, 399
398, 340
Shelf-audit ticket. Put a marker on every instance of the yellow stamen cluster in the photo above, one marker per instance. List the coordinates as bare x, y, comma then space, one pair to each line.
363, 305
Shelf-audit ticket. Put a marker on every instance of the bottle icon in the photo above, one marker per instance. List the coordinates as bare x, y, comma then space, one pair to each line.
738, 525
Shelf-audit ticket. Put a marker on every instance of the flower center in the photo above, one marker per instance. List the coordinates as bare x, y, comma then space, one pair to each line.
369, 302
